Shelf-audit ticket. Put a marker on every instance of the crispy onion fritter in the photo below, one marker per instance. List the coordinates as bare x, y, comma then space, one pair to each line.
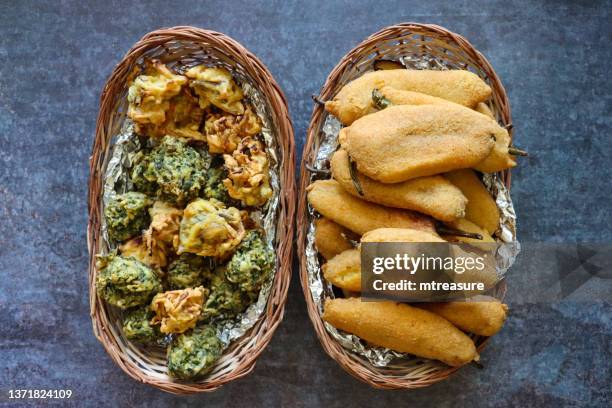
150, 93
215, 86
210, 229
178, 310
224, 132
248, 173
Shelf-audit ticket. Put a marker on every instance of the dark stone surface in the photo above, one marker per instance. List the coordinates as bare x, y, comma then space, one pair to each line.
554, 59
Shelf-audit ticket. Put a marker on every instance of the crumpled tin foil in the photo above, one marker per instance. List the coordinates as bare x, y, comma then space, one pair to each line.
117, 181
320, 289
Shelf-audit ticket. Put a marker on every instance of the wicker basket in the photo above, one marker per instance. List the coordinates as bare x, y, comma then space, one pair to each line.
390, 43
176, 46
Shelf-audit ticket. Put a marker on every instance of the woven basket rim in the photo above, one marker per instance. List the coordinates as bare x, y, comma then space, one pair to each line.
355, 367
242, 352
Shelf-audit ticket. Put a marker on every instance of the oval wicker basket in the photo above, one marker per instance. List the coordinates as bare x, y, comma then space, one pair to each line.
390, 43
176, 46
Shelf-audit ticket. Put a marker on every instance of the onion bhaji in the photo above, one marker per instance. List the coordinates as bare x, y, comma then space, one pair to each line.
137, 326
163, 232
224, 131
137, 248
193, 354
208, 228
150, 93
215, 86
172, 171
125, 282
251, 264
248, 173
126, 215
178, 310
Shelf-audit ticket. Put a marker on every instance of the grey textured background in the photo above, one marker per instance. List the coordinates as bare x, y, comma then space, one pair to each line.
554, 59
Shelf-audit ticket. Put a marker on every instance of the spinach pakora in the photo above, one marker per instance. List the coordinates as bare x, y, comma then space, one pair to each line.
188, 271
192, 354
251, 264
225, 299
172, 171
127, 215
137, 326
125, 282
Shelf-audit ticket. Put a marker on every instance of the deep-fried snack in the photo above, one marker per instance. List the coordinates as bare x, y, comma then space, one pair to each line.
224, 131
488, 275
214, 187
251, 264
177, 311
400, 235
137, 326
355, 99
481, 208
463, 224
402, 328
485, 110
248, 168
392, 96
189, 271
125, 282
172, 171
499, 158
126, 215
193, 354
484, 317
344, 270
217, 87
331, 238
432, 195
163, 232
184, 118
150, 93
404, 141
359, 216
225, 299
155, 257
210, 229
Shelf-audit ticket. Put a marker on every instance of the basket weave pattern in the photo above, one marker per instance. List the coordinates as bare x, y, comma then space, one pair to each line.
187, 46
393, 42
